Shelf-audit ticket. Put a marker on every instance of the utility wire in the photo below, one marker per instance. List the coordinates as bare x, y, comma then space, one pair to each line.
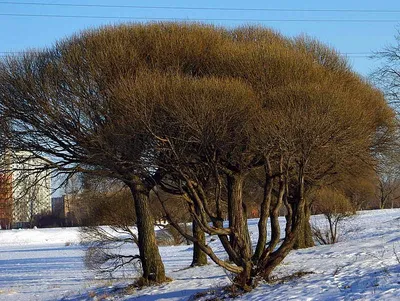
348, 54
349, 57
202, 19
204, 8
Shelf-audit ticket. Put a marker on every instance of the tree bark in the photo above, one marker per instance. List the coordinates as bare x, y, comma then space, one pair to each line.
262, 223
289, 208
274, 217
240, 237
152, 265
279, 255
270, 263
199, 257
299, 216
304, 238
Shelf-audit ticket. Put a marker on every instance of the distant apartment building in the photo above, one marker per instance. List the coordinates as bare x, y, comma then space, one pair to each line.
58, 206
25, 192
66, 209
5, 201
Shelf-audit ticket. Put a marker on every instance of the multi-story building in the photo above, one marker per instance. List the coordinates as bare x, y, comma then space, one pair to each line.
67, 209
5, 201
25, 191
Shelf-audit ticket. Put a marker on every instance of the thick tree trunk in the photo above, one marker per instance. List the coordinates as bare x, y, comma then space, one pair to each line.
304, 237
199, 257
240, 237
244, 280
152, 265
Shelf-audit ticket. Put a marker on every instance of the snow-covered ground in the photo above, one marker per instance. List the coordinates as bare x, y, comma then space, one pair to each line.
47, 264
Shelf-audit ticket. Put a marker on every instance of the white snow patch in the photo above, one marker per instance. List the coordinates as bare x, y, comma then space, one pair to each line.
46, 264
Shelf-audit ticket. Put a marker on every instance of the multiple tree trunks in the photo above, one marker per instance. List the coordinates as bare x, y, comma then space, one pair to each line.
265, 258
269, 263
219, 100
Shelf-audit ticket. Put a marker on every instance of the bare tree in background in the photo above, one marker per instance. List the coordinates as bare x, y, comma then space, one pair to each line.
387, 76
388, 174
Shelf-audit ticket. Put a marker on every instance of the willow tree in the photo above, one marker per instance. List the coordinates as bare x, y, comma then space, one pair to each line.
252, 100
194, 110
60, 108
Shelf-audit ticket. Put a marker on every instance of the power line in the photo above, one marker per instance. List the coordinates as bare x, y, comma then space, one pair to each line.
203, 8
350, 53
2, 56
202, 19
347, 54
341, 53
348, 57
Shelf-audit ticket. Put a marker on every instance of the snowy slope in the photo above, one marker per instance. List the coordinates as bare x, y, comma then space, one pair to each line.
46, 264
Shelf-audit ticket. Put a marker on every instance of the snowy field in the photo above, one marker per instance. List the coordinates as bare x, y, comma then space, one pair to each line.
47, 264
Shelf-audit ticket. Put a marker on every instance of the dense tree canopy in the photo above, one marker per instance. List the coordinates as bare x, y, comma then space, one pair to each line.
194, 109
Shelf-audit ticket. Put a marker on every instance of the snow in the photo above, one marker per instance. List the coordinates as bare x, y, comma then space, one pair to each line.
42, 237
47, 264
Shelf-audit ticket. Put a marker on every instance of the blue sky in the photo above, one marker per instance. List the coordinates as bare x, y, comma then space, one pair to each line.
18, 33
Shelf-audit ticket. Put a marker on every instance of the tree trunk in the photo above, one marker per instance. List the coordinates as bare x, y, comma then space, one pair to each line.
244, 280
289, 209
300, 215
262, 223
199, 257
291, 237
240, 237
152, 265
304, 238
274, 216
